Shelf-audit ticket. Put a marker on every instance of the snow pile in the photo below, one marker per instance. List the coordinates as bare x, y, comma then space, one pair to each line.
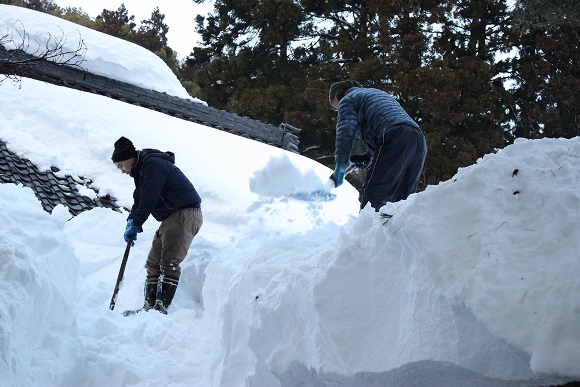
479, 272
38, 275
105, 55
280, 177
507, 246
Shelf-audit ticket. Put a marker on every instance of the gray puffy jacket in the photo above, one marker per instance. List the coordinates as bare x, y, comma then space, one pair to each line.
366, 113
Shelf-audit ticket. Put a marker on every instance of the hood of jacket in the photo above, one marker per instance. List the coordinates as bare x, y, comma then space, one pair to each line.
146, 153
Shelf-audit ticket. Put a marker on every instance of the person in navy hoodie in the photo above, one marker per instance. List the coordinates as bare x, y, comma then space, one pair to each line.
395, 145
161, 190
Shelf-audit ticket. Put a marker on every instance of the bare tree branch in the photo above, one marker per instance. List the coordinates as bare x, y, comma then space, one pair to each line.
14, 60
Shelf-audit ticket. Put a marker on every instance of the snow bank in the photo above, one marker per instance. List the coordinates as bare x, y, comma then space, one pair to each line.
506, 246
38, 274
479, 272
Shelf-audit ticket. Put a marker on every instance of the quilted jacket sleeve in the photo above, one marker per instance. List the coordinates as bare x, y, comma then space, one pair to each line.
346, 126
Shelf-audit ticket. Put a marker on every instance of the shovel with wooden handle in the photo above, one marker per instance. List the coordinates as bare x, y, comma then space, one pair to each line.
120, 276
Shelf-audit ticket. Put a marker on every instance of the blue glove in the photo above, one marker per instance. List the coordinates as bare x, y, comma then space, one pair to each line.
338, 175
130, 232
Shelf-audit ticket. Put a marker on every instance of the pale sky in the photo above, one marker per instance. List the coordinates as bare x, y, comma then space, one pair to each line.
179, 16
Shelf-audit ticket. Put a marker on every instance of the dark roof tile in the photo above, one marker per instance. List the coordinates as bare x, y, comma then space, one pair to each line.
50, 189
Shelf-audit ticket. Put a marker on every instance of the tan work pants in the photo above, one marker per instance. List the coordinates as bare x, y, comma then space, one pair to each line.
171, 242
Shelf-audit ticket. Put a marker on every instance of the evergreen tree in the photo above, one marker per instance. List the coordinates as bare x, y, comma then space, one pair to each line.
75, 15
463, 99
342, 45
246, 57
152, 34
545, 71
116, 23
544, 15
46, 6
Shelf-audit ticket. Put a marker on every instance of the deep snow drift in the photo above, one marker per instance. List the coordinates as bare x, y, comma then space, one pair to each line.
471, 282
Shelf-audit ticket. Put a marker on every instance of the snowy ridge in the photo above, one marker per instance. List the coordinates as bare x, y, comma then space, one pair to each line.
500, 251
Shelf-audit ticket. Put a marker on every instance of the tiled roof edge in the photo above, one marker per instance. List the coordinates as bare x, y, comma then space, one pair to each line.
284, 136
50, 189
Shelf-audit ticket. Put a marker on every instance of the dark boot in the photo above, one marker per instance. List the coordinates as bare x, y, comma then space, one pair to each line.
165, 295
151, 285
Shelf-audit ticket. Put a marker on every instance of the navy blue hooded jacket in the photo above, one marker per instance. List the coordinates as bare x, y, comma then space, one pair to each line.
366, 113
160, 187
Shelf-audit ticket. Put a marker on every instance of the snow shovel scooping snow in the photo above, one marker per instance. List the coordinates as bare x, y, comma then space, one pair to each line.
323, 194
120, 276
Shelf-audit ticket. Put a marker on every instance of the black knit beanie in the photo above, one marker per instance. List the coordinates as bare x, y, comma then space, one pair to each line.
338, 89
124, 150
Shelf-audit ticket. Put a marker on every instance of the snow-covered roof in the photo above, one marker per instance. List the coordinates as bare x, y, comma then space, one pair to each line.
105, 55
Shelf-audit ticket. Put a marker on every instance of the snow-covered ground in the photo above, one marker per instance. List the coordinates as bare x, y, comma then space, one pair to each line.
471, 282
